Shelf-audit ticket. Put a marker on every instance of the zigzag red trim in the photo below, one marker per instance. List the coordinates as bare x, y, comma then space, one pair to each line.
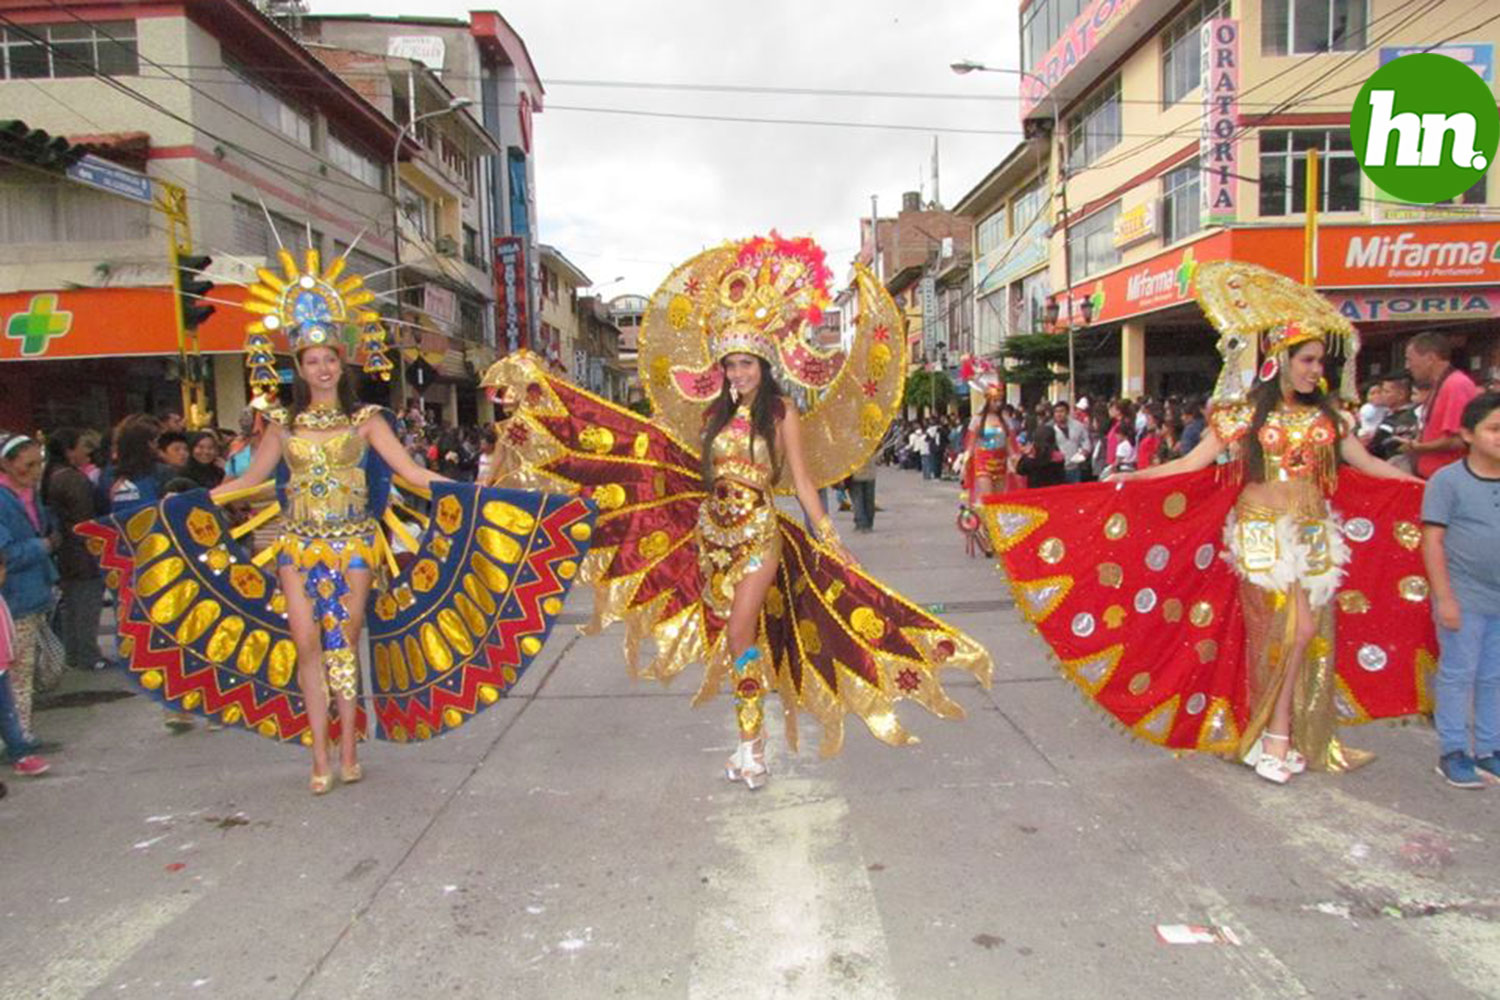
506, 652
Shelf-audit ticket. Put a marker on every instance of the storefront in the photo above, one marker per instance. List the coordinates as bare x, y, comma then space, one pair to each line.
1390, 280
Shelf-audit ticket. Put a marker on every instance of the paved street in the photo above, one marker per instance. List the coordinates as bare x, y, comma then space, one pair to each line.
578, 841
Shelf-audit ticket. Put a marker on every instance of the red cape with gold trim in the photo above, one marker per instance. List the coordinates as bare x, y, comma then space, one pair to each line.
1128, 586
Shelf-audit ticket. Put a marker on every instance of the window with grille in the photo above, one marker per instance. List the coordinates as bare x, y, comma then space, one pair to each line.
1094, 129
356, 164
1028, 205
991, 232
1181, 201
1091, 243
260, 100
40, 51
1283, 171
1182, 50
1305, 27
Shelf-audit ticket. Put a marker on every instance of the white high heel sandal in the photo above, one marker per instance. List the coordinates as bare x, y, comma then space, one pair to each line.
748, 764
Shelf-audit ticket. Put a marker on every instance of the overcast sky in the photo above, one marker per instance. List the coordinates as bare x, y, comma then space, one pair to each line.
626, 196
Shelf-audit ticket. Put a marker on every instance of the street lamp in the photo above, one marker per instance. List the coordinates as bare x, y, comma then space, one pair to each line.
966, 66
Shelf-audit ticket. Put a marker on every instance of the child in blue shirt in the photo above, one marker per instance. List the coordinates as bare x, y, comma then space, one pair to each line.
1461, 548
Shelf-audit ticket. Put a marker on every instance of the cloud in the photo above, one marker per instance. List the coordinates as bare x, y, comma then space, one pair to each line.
631, 196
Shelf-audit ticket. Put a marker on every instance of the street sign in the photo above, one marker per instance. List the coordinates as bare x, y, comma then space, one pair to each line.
111, 177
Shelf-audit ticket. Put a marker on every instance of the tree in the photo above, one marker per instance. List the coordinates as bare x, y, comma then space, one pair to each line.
931, 391
1039, 358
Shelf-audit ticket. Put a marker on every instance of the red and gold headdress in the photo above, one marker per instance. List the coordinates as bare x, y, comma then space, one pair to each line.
763, 296
1262, 316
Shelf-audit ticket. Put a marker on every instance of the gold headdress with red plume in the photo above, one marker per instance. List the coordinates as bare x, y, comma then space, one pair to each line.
311, 307
764, 296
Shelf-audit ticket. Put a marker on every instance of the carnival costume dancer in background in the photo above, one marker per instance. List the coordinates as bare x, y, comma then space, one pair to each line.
691, 552
451, 629
1256, 669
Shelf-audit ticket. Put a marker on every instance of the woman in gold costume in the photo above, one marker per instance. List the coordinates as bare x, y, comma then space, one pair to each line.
1287, 439
691, 552
327, 553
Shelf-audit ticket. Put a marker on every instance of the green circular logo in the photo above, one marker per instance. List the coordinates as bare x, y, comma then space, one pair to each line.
1425, 128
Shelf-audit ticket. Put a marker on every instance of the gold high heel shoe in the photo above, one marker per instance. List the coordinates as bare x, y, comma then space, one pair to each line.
351, 773
320, 784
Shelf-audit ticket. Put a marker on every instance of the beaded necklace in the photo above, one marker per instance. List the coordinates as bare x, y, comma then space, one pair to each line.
321, 417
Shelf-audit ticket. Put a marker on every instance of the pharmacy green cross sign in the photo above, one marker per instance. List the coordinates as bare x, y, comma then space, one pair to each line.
36, 327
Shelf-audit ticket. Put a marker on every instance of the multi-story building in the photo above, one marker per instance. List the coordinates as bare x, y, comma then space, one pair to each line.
1159, 172
557, 339
196, 96
444, 329
914, 248
485, 60
597, 352
628, 312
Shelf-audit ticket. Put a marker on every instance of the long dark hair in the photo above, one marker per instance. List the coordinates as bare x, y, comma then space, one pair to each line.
768, 406
348, 395
135, 446
1265, 397
59, 443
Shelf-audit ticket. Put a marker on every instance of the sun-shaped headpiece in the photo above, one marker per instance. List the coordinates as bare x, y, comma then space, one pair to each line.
311, 307
758, 296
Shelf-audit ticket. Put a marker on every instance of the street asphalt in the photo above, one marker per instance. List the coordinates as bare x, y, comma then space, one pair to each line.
578, 840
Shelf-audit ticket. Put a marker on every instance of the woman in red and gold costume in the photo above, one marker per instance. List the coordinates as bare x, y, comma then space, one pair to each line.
691, 551
1276, 528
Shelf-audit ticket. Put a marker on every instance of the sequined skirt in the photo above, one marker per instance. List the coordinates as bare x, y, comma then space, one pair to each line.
990, 462
737, 535
1275, 549
351, 546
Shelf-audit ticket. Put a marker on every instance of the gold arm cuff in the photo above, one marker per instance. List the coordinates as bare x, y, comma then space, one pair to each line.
261, 516
267, 488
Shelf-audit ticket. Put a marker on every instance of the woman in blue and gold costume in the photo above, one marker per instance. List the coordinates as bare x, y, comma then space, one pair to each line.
691, 551
206, 629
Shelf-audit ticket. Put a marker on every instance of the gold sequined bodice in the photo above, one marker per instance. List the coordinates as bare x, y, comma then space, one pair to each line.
326, 491
739, 455
1299, 443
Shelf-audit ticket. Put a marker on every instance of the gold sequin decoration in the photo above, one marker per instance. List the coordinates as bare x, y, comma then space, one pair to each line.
1171, 610
452, 717
479, 594
1114, 616
382, 666
283, 662
471, 615
399, 672
415, 661
267, 728
1139, 683
248, 582
174, 603
278, 603
868, 623
551, 605
567, 569
232, 715
599, 440
153, 546
679, 311
834, 592
253, 652
775, 604
1408, 535
203, 527
449, 514
610, 496
140, 522
159, 576
385, 607
493, 576
641, 446
812, 642
872, 422
531, 645
1353, 602
489, 694
580, 531
1111, 575
1413, 588
499, 546
1116, 526
510, 517
1208, 650
152, 679
197, 621
440, 546
192, 700
1051, 551
452, 627
227, 636
424, 575
1174, 504
654, 545
1202, 614
435, 649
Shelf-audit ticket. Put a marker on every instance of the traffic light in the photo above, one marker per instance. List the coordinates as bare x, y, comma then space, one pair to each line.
192, 285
